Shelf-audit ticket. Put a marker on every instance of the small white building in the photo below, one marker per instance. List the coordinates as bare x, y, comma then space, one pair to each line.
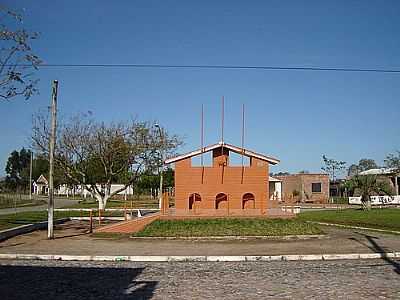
41, 187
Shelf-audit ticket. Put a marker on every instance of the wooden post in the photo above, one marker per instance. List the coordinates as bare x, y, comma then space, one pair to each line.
227, 202
15, 204
125, 218
52, 143
30, 178
91, 221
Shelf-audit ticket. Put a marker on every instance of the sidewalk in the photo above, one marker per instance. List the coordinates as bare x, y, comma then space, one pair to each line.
72, 240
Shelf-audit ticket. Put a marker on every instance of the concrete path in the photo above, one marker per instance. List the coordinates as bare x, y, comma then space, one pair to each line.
71, 239
58, 203
373, 279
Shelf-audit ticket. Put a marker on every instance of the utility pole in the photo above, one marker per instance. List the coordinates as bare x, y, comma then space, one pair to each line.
160, 196
30, 177
50, 212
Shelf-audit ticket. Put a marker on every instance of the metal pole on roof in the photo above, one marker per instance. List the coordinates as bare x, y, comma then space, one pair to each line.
242, 132
202, 143
202, 133
222, 121
242, 142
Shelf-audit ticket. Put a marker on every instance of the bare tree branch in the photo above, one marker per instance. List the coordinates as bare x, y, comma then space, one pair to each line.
96, 155
16, 58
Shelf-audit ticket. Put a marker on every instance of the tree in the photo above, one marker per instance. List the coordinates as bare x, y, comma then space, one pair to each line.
332, 167
95, 154
364, 164
17, 169
366, 186
17, 60
393, 160
304, 172
280, 174
353, 170
40, 166
150, 180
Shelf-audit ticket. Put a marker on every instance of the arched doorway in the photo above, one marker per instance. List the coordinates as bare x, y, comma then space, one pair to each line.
221, 201
248, 201
194, 200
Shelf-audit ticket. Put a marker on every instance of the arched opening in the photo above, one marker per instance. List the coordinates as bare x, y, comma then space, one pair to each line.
221, 201
194, 200
248, 201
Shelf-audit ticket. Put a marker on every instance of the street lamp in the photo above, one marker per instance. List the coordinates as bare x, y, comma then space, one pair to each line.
162, 164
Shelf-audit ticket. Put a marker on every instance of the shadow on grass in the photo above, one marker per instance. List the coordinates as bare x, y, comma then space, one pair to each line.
374, 246
37, 282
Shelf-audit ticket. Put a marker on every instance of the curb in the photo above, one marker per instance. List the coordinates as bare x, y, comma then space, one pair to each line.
9, 233
354, 227
161, 258
97, 218
230, 237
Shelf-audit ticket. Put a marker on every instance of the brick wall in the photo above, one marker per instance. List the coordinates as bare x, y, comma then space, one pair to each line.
234, 181
302, 183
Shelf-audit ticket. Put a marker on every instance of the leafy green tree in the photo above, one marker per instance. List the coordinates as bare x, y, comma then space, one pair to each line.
332, 166
353, 170
17, 169
17, 60
169, 179
393, 160
366, 186
304, 172
364, 164
151, 180
40, 166
280, 174
367, 164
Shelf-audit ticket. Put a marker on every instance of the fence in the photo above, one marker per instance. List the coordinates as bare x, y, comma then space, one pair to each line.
14, 200
377, 200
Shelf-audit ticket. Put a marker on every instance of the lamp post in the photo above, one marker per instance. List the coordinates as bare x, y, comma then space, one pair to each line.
162, 164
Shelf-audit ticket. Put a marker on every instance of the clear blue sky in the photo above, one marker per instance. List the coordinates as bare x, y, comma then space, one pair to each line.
294, 115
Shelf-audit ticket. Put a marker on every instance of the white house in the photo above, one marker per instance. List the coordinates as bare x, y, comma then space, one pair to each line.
41, 187
390, 176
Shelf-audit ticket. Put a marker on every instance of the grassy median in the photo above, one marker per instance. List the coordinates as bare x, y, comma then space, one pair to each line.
385, 218
228, 227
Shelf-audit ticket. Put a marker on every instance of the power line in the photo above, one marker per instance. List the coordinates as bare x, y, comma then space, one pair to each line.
226, 67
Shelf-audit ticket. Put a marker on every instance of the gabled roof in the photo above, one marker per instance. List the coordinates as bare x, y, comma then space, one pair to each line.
42, 179
232, 148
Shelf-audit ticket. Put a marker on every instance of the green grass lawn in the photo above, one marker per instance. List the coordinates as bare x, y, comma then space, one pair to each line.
227, 227
386, 218
23, 218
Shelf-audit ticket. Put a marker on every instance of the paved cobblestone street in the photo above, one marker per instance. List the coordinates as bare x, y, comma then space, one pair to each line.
369, 279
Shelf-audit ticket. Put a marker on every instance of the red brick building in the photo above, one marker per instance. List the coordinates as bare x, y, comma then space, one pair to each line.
223, 189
